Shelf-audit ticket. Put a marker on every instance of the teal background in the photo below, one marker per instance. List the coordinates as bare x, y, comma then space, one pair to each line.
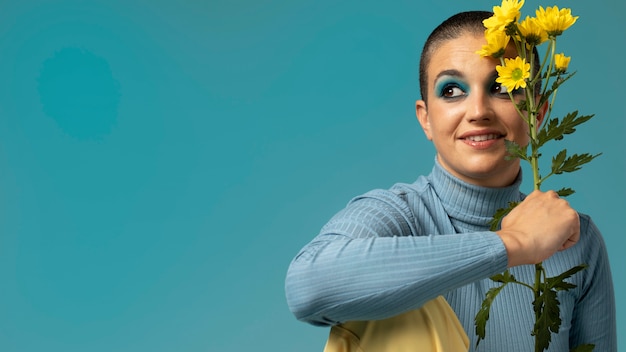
161, 162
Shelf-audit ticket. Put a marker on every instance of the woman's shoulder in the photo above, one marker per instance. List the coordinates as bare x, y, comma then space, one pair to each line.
590, 234
399, 192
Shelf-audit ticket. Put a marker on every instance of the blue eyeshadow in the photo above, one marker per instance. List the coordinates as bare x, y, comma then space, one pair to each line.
450, 82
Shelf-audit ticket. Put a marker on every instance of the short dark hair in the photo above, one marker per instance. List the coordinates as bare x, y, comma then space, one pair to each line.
452, 28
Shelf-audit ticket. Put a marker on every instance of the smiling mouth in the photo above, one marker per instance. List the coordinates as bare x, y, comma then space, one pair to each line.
484, 137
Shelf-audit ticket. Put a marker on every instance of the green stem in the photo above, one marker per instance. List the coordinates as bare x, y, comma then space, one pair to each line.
538, 272
533, 127
551, 104
546, 177
531, 110
551, 51
533, 131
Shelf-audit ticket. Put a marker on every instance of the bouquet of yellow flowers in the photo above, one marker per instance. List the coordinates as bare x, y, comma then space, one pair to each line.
539, 82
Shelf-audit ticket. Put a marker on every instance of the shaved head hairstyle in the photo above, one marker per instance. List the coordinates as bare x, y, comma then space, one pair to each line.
469, 22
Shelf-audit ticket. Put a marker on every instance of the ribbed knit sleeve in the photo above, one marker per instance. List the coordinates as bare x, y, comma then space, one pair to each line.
387, 252
593, 319
390, 251
587, 311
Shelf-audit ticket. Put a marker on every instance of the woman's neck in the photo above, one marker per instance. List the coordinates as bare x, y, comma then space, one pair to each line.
471, 207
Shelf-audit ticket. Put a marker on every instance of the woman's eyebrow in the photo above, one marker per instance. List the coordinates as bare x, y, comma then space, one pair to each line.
493, 76
455, 73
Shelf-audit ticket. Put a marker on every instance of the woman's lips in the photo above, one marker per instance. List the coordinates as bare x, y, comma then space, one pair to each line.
482, 141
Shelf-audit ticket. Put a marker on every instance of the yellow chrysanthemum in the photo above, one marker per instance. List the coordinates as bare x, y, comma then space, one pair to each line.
532, 31
504, 15
555, 21
513, 74
496, 44
561, 62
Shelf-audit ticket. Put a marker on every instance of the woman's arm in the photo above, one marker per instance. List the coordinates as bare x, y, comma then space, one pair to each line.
370, 262
594, 319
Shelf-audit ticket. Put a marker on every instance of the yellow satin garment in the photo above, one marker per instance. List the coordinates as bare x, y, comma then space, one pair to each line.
432, 328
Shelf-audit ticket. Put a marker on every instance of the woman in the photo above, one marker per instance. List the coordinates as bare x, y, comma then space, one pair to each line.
395, 251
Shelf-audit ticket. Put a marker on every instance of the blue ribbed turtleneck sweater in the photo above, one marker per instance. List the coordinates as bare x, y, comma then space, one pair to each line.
390, 251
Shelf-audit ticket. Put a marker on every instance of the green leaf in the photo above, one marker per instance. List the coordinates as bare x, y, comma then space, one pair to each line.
562, 286
483, 314
555, 129
504, 278
549, 130
547, 310
558, 160
515, 150
558, 282
564, 192
499, 215
571, 163
560, 80
555, 85
521, 105
572, 120
583, 348
546, 305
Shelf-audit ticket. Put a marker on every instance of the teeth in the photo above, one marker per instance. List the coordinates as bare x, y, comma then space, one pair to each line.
483, 137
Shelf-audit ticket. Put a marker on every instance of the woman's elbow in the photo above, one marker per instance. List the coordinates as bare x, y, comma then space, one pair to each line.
304, 295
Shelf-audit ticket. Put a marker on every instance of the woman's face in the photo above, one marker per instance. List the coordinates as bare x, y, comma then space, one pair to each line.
469, 115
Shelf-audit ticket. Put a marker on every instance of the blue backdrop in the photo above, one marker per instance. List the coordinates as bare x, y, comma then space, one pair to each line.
161, 162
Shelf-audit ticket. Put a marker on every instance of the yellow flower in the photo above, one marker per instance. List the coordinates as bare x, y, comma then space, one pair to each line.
504, 15
513, 74
561, 62
532, 31
555, 21
496, 44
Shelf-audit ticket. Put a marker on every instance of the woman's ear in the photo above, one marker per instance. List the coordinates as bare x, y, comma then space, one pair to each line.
422, 116
542, 114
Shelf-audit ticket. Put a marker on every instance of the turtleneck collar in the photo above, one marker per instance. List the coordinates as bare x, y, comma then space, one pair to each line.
471, 207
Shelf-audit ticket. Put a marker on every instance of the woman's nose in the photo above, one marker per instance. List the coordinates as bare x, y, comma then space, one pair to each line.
479, 108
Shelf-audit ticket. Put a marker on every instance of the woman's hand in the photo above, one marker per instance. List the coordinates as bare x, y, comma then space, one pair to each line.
538, 227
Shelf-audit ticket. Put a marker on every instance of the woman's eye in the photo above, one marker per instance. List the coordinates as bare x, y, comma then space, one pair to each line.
452, 91
499, 89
